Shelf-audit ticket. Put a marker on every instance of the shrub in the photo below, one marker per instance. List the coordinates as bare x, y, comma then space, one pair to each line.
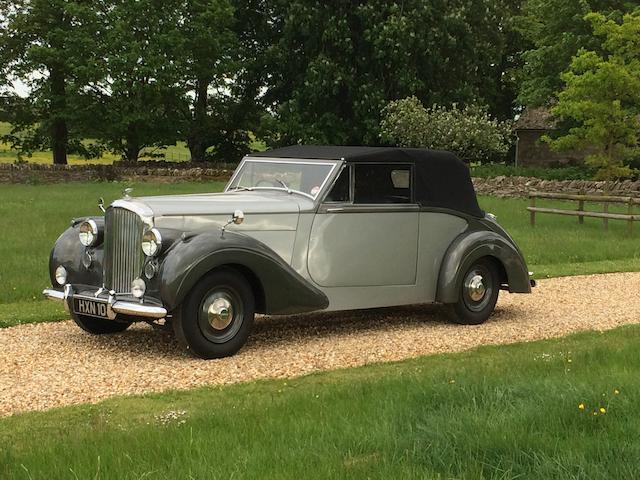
469, 131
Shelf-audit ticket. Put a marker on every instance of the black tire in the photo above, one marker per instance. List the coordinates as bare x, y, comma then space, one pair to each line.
99, 326
216, 317
472, 307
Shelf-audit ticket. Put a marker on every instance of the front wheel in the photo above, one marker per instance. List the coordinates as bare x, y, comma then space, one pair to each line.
477, 295
216, 317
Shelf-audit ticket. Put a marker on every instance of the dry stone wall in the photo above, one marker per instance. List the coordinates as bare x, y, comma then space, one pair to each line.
521, 186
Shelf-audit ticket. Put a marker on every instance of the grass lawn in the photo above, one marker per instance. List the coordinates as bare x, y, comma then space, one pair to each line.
32, 216
559, 246
494, 412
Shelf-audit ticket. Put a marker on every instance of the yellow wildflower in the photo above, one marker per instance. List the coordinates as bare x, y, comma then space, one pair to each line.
603, 410
581, 406
617, 392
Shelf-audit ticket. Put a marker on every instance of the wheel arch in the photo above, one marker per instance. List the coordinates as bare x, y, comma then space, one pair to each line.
277, 287
253, 280
470, 247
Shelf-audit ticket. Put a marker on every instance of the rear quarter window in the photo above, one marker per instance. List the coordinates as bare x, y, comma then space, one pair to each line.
382, 184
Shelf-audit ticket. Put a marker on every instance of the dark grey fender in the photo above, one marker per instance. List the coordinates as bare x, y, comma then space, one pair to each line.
68, 252
281, 289
469, 247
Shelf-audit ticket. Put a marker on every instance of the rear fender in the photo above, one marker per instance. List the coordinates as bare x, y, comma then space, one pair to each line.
471, 246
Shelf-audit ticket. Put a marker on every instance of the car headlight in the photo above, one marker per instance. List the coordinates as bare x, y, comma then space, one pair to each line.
151, 242
61, 275
88, 233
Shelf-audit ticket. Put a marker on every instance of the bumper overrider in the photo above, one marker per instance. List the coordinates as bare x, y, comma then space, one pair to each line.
102, 303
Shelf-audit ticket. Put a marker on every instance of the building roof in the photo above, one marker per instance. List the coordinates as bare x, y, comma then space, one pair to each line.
535, 118
441, 179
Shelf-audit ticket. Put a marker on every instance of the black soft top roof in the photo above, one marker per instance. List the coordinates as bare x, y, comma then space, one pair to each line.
441, 178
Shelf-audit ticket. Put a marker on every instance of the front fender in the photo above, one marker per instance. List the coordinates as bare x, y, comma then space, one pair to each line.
283, 290
471, 246
68, 251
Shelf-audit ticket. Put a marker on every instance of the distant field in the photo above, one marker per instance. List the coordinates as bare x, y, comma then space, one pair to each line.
173, 153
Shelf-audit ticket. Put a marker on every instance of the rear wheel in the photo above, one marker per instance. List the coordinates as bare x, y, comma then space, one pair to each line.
216, 317
477, 295
99, 326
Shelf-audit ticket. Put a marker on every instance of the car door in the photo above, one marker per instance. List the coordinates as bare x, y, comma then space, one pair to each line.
366, 231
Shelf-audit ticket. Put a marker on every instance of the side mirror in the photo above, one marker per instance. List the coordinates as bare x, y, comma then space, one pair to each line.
238, 217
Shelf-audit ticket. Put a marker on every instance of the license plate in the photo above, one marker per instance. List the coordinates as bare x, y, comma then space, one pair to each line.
92, 308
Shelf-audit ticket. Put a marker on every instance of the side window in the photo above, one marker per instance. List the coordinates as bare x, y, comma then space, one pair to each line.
381, 183
340, 191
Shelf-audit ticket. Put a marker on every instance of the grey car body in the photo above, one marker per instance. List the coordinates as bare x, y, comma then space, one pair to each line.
308, 234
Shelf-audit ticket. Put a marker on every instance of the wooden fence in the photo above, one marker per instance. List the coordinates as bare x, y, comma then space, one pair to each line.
581, 213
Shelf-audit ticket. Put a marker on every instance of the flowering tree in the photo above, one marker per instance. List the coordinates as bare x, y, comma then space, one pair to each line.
468, 131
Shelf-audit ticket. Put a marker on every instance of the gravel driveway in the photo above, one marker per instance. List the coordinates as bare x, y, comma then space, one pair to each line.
55, 364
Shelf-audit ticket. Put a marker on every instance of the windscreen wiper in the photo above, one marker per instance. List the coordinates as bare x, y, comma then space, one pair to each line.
284, 185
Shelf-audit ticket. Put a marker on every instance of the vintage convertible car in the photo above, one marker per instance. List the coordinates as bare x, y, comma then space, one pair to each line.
298, 229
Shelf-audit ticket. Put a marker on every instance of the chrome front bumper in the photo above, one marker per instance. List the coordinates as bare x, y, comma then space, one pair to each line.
114, 306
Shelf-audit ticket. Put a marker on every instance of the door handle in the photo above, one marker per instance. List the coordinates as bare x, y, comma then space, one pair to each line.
335, 210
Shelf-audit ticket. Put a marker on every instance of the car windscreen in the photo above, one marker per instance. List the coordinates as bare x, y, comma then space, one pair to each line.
307, 178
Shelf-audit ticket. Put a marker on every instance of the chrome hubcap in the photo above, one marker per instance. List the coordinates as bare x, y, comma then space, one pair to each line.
220, 313
476, 288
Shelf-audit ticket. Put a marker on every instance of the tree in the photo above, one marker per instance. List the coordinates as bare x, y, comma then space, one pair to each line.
557, 29
136, 101
469, 132
48, 45
602, 98
336, 64
209, 58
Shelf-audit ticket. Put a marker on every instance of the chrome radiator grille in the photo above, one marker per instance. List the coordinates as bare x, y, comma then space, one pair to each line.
123, 257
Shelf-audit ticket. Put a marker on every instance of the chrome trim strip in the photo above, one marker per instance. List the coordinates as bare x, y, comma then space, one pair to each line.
365, 208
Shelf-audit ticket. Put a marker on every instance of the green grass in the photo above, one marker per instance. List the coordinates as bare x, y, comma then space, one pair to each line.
559, 246
32, 217
495, 412
34, 311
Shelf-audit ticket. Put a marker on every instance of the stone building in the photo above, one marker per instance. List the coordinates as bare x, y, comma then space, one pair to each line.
532, 125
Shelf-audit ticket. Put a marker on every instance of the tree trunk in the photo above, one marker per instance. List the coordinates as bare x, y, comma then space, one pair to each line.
198, 132
197, 149
131, 146
59, 132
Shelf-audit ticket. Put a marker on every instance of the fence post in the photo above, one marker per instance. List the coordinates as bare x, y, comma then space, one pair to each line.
532, 215
581, 208
630, 212
605, 221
